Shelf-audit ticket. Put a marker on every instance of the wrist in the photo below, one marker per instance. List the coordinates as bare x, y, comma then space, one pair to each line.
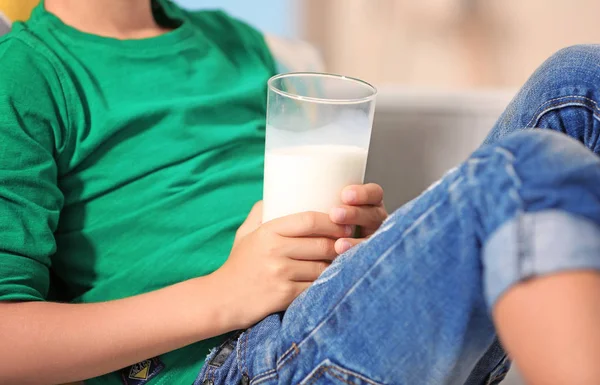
227, 309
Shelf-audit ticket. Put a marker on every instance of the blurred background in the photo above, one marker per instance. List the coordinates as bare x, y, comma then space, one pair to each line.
435, 43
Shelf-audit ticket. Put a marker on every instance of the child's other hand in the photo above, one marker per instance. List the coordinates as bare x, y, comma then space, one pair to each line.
363, 206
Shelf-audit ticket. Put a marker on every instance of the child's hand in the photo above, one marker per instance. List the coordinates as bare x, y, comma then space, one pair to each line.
363, 206
270, 266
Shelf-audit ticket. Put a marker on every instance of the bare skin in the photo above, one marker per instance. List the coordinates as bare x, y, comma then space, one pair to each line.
119, 19
550, 327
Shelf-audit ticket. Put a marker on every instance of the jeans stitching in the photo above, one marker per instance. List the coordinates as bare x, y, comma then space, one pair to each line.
523, 246
245, 362
339, 378
284, 360
293, 347
264, 377
238, 351
331, 370
318, 375
260, 377
522, 239
555, 104
263, 374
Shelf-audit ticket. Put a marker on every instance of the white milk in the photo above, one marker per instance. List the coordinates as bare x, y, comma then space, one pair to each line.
309, 178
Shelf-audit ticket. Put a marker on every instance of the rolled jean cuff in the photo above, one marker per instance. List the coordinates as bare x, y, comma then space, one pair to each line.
537, 244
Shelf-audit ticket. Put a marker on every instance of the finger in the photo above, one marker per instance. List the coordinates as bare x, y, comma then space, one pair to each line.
366, 194
254, 219
256, 211
311, 249
344, 244
369, 217
300, 287
252, 222
306, 271
308, 224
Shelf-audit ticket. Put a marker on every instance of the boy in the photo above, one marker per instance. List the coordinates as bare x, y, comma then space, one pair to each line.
142, 126
131, 147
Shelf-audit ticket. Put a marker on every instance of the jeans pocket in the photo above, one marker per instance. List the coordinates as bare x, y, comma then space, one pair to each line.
328, 373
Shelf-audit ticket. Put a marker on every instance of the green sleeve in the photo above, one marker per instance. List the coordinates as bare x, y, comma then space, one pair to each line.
30, 200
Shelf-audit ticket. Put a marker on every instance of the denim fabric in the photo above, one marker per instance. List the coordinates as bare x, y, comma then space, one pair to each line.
562, 95
412, 304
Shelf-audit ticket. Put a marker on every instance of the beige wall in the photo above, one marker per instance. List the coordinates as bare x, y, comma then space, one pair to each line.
446, 43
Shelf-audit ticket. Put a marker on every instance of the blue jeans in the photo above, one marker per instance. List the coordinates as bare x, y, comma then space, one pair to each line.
412, 304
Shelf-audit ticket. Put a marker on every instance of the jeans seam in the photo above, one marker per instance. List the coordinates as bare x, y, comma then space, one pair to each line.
318, 375
331, 370
291, 353
556, 104
285, 357
523, 247
238, 354
265, 376
523, 240
242, 358
245, 358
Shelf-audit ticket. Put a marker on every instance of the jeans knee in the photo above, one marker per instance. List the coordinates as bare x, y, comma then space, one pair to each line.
574, 55
561, 95
572, 68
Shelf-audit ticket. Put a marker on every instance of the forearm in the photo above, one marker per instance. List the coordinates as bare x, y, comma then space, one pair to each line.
46, 342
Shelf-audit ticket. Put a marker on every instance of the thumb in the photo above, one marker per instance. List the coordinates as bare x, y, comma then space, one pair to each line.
252, 222
254, 219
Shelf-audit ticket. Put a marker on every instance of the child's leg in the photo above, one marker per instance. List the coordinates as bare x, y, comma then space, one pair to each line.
411, 305
550, 327
562, 95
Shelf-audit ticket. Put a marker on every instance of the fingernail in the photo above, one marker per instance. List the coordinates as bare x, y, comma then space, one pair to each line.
338, 214
344, 246
349, 196
348, 230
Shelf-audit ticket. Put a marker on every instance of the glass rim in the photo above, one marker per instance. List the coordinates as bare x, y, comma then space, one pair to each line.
323, 100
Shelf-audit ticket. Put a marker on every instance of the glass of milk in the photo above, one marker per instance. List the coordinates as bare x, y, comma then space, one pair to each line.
318, 134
